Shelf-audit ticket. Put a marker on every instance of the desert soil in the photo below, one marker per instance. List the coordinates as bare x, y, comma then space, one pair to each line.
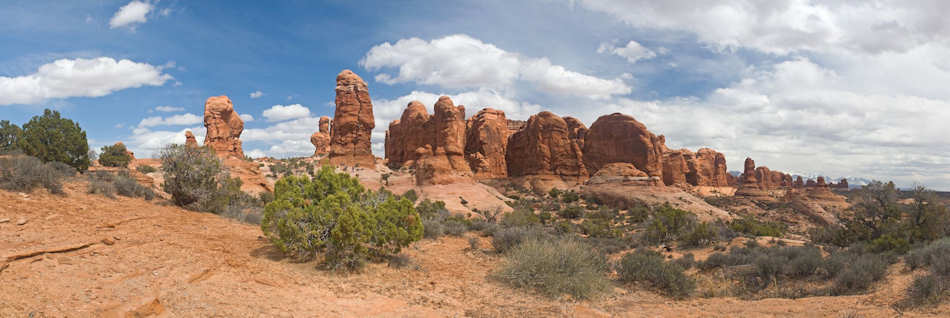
90, 256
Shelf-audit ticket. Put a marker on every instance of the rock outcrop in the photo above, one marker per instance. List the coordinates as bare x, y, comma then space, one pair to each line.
190, 140
773, 180
621, 138
353, 123
620, 173
576, 131
486, 142
544, 147
821, 191
749, 185
223, 135
515, 125
708, 168
748, 179
841, 185
224, 127
433, 145
443, 161
676, 166
408, 136
321, 138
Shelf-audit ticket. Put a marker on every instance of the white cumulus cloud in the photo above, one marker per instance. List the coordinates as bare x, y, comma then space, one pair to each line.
461, 61
176, 120
633, 51
256, 94
787, 26
134, 12
79, 78
169, 109
246, 117
282, 113
798, 116
148, 144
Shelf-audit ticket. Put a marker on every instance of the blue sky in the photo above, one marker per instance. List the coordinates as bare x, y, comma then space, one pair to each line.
836, 88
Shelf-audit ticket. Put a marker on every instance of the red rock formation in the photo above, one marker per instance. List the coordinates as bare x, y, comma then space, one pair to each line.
544, 147
190, 139
620, 138
841, 185
434, 145
408, 136
353, 123
708, 168
748, 178
576, 131
620, 173
676, 166
515, 125
486, 142
750, 186
224, 127
443, 162
798, 183
771, 180
821, 191
765, 178
810, 183
321, 138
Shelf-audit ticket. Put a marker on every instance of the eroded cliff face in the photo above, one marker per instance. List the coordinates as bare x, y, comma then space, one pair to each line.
621, 138
353, 123
544, 147
486, 142
408, 137
432, 145
708, 168
676, 166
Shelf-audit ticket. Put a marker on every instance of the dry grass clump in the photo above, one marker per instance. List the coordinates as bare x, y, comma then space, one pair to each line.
25, 173
555, 267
